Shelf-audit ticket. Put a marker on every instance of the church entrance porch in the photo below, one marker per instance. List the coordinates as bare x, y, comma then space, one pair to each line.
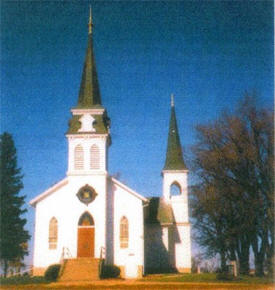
80, 269
84, 267
86, 236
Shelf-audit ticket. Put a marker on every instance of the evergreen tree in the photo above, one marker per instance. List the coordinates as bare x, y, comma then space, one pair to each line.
13, 236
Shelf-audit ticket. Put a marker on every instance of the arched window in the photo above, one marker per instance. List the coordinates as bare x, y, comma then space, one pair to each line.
86, 220
53, 229
124, 232
78, 157
175, 189
94, 157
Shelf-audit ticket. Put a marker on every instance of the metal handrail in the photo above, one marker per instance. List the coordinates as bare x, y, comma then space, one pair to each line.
102, 253
101, 261
66, 253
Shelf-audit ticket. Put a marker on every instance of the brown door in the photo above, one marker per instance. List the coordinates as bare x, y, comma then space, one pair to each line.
86, 242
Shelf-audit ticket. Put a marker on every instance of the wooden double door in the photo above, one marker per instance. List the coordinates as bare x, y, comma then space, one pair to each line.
86, 236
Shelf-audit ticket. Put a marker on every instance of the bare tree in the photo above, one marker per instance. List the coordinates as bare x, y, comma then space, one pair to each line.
233, 203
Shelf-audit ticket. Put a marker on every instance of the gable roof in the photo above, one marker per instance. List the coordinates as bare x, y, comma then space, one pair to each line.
159, 211
64, 181
49, 191
125, 187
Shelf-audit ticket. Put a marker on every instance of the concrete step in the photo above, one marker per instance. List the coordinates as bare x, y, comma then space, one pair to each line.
79, 269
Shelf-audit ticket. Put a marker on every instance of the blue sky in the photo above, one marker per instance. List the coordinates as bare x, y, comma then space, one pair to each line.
205, 52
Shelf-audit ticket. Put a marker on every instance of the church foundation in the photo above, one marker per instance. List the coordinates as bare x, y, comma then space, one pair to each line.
36, 271
184, 270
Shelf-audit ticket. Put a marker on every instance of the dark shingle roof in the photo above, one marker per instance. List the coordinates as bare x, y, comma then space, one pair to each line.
89, 94
101, 124
159, 211
174, 159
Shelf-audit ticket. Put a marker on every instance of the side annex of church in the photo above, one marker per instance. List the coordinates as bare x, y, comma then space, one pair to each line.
90, 214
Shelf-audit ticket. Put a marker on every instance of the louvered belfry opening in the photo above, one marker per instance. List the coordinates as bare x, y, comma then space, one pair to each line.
78, 157
94, 157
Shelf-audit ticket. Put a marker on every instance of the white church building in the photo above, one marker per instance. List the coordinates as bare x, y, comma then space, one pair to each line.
92, 215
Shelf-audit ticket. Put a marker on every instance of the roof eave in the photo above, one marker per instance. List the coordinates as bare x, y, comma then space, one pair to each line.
129, 189
49, 191
175, 171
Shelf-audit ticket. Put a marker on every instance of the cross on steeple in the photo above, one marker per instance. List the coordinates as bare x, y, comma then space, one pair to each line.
90, 24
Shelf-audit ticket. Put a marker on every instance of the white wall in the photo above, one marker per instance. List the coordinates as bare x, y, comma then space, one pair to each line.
66, 207
180, 209
128, 205
182, 247
181, 230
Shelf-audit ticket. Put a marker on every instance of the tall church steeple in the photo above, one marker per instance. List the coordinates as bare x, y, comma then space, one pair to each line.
88, 133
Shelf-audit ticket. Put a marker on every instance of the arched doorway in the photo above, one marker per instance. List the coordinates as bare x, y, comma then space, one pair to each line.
86, 236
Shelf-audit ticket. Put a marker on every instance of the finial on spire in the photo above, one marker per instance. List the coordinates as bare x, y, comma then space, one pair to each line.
90, 24
172, 100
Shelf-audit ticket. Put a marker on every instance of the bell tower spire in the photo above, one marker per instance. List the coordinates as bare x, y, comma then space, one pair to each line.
174, 159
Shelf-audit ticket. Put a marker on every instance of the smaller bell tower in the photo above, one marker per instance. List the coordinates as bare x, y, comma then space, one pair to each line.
175, 195
174, 172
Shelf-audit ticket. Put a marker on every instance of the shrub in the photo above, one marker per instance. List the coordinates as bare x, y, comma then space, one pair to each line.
224, 276
110, 271
51, 273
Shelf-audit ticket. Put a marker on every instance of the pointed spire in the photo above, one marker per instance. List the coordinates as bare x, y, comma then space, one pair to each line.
172, 100
174, 159
89, 94
90, 24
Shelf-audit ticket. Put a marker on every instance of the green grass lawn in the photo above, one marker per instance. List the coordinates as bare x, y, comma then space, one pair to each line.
206, 277
194, 281
22, 280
